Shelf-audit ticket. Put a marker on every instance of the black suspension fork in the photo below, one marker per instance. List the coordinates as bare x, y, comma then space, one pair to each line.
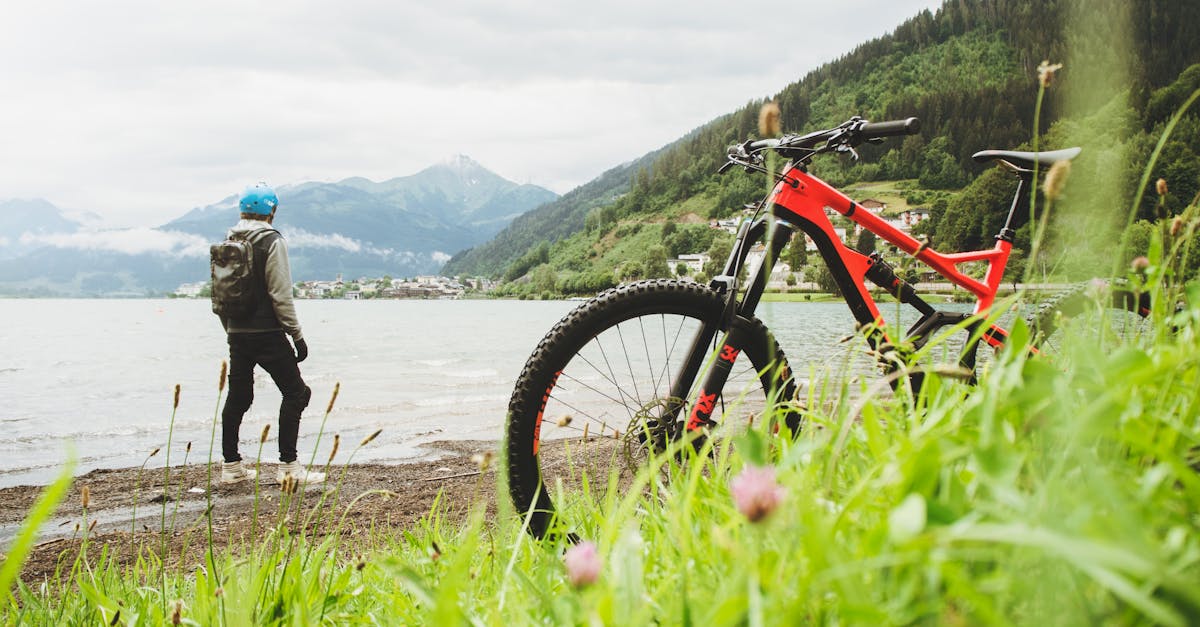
737, 315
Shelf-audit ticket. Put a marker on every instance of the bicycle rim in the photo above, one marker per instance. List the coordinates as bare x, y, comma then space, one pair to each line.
589, 400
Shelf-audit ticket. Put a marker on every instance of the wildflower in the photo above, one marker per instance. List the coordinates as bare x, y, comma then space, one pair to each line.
336, 388
1160, 186
176, 402
768, 120
1056, 179
756, 493
564, 421
583, 564
1140, 264
86, 496
367, 440
221, 381
483, 460
1046, 72
266, 429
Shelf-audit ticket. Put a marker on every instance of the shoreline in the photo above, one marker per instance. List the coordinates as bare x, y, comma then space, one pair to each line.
129, 511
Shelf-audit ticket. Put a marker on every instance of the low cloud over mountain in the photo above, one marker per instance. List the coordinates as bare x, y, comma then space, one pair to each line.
402, 226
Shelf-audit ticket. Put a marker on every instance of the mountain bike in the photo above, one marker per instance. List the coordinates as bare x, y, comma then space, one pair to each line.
647, 363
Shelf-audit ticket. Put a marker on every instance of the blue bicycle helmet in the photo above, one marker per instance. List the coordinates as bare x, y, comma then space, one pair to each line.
258, 199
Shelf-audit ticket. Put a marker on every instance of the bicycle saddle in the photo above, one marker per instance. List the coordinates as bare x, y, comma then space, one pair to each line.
1026, 160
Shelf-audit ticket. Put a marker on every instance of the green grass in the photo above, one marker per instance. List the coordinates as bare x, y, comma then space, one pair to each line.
1059, 490
1051, 493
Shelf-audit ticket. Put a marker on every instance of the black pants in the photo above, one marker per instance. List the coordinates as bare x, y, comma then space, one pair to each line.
272, 351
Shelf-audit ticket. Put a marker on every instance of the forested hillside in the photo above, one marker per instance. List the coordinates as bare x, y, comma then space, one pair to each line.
969, 71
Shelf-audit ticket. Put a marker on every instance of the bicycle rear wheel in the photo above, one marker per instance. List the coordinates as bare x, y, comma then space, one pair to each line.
595, 384
1110, 310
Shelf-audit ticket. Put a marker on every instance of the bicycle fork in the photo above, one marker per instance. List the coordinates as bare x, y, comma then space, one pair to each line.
738, 314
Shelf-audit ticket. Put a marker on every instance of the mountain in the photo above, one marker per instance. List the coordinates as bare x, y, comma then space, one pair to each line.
356, 227
969, 71
25, 219
548, 223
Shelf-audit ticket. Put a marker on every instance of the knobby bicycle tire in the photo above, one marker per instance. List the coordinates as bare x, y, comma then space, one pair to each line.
571, 364
1124, 305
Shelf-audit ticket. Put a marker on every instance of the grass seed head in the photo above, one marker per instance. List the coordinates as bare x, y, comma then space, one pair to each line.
769, 120
564, 421
1160, 186
175, 404
367, 440
1176, 226
337, 440
177, 615
188, 449
483, 460
266, 429
336, 388
1046, 72
92, 526
1056, 180
221, 381
1140, 264
85, 495
154, 452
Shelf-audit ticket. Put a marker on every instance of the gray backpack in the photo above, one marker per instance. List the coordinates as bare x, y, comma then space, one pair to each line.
234, 291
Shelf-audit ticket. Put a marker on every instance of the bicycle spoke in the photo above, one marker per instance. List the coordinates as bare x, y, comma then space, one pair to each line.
604, 354
625, 350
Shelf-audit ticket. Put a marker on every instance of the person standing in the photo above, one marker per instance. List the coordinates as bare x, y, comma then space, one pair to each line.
260, 339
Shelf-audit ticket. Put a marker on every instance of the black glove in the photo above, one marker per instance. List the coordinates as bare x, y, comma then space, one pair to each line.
301, 350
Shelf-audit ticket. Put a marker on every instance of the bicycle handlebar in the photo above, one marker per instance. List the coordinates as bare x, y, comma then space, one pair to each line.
870, 130
842, 138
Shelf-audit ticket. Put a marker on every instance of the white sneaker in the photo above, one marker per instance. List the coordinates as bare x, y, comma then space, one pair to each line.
298, 473
236, 472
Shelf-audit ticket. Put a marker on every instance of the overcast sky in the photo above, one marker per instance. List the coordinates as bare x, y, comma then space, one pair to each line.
139, 111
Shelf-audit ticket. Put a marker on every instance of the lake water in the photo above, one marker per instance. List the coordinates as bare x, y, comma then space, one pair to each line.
97, 376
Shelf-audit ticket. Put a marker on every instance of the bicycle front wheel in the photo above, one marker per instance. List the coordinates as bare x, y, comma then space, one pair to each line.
596, 384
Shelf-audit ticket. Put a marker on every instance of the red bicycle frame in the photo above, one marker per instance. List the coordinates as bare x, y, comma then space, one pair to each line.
801, 199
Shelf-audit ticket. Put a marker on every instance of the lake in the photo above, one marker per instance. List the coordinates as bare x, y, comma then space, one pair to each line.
97, 377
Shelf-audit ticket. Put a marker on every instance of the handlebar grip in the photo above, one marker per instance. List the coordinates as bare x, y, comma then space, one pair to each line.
911, 126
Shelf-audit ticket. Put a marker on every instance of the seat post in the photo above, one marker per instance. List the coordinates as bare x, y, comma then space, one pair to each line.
1020, 199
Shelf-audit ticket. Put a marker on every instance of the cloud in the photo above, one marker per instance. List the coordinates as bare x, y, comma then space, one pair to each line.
138, 110
299, 238
136, 241
439, 257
